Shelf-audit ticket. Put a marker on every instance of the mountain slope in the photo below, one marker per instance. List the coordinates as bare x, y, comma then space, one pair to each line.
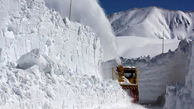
153, 22
134, 47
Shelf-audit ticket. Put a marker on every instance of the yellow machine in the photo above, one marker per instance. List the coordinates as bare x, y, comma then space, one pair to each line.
128, 79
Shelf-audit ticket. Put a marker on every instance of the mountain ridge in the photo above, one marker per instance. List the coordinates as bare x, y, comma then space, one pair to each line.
153, 22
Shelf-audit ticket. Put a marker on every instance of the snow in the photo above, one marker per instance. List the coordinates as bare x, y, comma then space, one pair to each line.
47, 62
153, 22
89, 12
182, 95
36, 27
34, 89
50, 63
134, 47
34, 58
155, 74
107, 69
163, 78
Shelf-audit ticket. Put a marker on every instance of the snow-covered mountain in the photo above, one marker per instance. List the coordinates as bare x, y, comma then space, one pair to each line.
48, 63
153, 22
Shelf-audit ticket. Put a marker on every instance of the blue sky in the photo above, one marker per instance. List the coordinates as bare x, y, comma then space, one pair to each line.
111, 6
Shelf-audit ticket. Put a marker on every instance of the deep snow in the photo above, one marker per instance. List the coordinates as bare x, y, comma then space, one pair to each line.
181, 96
89, 12
155, 74
167, 75
48, 63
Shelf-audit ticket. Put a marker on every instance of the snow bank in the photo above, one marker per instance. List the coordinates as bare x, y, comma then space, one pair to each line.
183, 94
89, 12
155, 74
107, 69
34, 89
33, 26
57, 62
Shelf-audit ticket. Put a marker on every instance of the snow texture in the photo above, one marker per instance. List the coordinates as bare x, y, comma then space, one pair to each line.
155, 74
89, 12
50, 63
33, 26
182, 96
153, 22
35, 58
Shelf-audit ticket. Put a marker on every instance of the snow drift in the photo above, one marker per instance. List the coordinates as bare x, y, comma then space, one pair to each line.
153, 22
155, 74
89, 12
48, 63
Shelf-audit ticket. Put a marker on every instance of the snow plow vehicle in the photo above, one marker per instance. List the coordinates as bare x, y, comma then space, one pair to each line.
128, 80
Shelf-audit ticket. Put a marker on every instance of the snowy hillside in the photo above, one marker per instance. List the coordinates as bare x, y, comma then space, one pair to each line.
134, 47
48, 63
153, 22
155, 74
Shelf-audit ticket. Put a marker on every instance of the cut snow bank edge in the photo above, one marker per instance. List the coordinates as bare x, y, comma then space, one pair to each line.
155, 74
89, 12
181, 96
33, 26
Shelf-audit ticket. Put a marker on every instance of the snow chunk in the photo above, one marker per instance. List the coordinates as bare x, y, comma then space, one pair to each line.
9, 34
32, 58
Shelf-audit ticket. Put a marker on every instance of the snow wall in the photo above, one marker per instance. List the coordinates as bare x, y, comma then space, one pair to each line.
48, 63
181, 96
89, 12
155, 74
28, 25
